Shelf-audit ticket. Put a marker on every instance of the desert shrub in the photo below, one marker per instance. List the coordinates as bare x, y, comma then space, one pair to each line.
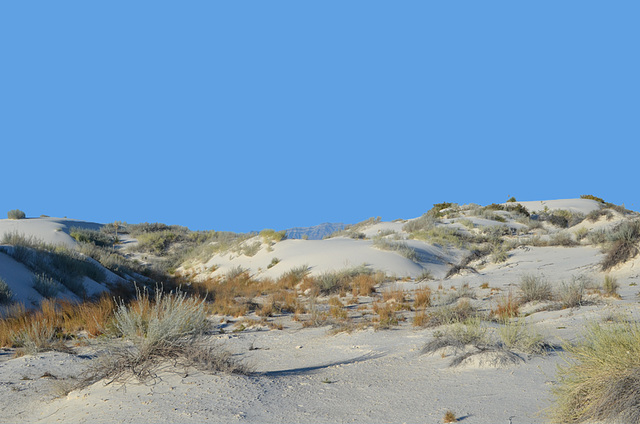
170, 327
518, 335
511, 199
595, 215
5, 292
562, 238
294, 276
449, 314
45, 286
400, 247
610, 286
274, 261
98, 238
16, 214
458, 336
269, 235
500, 254
570, 294
38, 337
164, 320
534, 287
621, 244
235, 272
601, 379
592, 197
330, 282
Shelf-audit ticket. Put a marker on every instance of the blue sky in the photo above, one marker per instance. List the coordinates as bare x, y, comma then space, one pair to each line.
248, 115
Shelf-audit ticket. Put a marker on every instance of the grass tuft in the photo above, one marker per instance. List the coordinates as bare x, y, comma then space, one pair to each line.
601, 378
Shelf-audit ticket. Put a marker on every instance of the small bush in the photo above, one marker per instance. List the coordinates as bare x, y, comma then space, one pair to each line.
274, 262
562, 239
518, 335
16, 214
571, 294
622, 244
5, 292
601, 381
458, 336
37, 337
46, 286
534, 288
422, 298
166, 328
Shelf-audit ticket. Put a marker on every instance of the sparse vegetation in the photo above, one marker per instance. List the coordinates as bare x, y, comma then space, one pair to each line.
396, 246
449, 417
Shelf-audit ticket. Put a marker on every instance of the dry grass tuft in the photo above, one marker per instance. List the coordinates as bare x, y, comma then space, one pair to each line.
422, 298
449, 417
506, 307
601, 379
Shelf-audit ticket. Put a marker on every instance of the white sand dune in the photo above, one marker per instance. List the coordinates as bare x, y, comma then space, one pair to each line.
311, 375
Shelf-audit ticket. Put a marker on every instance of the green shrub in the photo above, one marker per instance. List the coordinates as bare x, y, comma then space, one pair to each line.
156, 242
5, 292
601, 379
16, 214
511, 199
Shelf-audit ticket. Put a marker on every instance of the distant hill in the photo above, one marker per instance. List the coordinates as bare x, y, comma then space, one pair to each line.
317, 232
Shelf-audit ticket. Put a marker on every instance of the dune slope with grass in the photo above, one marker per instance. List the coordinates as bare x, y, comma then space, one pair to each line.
517, 311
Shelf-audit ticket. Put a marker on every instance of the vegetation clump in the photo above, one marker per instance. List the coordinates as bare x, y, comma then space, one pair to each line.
601, 379
16, 214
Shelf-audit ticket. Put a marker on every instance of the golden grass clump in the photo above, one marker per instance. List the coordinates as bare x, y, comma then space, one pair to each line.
363, 285
422, 298
449, 417
506, 307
